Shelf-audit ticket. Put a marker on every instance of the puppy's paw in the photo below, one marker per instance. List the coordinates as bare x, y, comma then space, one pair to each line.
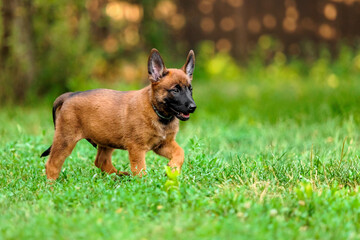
122, 174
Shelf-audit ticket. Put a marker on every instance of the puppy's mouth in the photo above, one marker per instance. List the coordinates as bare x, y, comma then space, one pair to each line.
181, 116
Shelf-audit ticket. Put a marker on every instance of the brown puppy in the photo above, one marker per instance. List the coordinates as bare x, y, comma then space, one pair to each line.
136, 121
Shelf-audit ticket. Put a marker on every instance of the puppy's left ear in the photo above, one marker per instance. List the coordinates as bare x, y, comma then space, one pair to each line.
189, 65
156, 66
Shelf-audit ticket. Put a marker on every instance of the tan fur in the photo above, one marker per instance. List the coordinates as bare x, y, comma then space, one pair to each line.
114, 119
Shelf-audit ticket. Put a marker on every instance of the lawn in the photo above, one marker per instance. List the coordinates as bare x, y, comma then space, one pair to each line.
265, 159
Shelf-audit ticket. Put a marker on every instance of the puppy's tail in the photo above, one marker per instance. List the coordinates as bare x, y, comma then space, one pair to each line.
57, 104
46, 153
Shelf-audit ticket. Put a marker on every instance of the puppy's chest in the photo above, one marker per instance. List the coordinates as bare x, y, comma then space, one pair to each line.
159, 134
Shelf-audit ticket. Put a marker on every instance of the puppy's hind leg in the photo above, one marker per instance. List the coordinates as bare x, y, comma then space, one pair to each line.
60, 150
103, 161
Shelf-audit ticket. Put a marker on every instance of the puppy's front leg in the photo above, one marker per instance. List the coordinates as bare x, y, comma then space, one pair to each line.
137, 161
172, 151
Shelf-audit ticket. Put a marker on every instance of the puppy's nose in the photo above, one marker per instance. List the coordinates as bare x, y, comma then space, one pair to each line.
192, 107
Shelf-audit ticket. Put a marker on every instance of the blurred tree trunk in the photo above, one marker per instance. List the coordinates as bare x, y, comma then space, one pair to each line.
240, 36
23, 49
7, 15
98, 24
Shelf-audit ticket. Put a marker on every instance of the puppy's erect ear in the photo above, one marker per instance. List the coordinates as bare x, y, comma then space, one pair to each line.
156, 67
189, 65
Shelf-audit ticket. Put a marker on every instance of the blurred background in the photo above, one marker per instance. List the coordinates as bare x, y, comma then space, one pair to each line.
277, 87
49, 47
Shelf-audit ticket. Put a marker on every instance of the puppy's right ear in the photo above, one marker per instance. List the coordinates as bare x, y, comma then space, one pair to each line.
156, 67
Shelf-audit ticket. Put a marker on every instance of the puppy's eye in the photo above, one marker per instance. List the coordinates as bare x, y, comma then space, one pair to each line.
175, 90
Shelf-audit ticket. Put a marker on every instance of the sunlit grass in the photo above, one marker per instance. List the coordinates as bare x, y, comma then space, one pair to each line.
264, 160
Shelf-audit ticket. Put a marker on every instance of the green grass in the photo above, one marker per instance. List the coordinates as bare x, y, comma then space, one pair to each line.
264, 160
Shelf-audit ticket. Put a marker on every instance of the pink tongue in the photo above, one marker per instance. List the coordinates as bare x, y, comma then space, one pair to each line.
185, 115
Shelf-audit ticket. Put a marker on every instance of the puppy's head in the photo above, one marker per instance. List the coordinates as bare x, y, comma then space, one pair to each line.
172, 87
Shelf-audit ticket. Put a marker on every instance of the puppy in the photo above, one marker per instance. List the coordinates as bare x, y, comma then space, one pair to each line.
136, 121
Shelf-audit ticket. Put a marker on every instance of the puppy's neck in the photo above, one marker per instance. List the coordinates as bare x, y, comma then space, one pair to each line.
160, 109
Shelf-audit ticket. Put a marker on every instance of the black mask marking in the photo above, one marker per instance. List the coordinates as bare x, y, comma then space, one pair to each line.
181, 102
